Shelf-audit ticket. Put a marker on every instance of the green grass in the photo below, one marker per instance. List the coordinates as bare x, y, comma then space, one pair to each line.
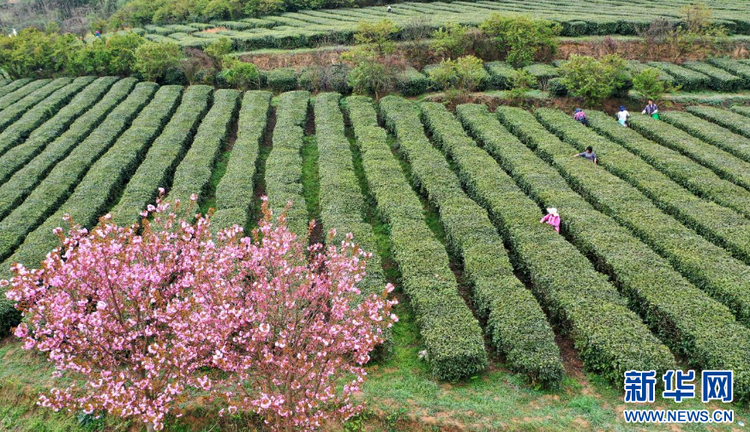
311, 182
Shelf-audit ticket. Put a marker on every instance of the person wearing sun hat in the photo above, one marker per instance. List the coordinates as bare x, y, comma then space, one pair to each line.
552, 218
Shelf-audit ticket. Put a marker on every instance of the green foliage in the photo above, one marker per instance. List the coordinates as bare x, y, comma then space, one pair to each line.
241, 75
218, 50
556, 87
522, 39
154, 60
452, 41
282, 79
34, 53
719, 79
465, 74
114, 55
649, 85
329, 78
372, 74
501, 75
520, 83
592, 79
450, 333
22, 106
687, 79
411, 82
377, 35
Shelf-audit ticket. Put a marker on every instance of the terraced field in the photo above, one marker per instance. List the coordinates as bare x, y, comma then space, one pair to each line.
312, 27
650, 269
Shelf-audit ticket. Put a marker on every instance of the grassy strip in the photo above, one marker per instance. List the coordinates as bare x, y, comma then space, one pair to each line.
687, 319
704, 264
733, 121
452, 337
13, 86
37, 141
98, 189
516, 323
21, 92
683, 170
24, 181
721, 162
193, 174
609, 337
686, 78
342, 206
34, 117
720, 80
284, 164
163, 156
19, 108
744, 110
234, 193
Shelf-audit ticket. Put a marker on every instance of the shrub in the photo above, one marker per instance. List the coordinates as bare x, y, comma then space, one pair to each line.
282, 79
649, 85
687, 79
542, 73
522, 39
452, 41
411, 82
556, 87
34, 53
501, 75
114, 55
459, 77
592, 79
719, 79
331, 78
156, 60
241, 75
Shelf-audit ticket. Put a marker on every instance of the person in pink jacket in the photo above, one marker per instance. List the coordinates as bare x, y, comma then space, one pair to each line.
552, 218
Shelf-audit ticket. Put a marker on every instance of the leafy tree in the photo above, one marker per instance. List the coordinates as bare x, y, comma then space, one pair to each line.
114, 55
459, 77
34, 53
218, 50
154, 60
376, 68
378, 36
147, 316
522, 39
649, 85
520, 83
452, 41
241, 75
592, 79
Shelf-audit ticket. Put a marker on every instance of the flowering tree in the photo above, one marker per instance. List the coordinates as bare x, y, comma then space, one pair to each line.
137, 315
299, 329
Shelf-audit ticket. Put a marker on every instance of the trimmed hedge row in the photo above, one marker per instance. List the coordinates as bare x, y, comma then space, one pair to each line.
38, 139
98, 187
21, 92
32, 118
452, 336
733, 121
235, 192
13, 86
543, 73
342, 206
688, 79
635, 67
738, 68
710, 133
284, 163
689, 321
721, 162
720, 80
610, 338
21, 107
281, 79
681, 169
501, 75
24, 181
193, 174
411, 82
158, 166
744, 110
516, 323
704, 264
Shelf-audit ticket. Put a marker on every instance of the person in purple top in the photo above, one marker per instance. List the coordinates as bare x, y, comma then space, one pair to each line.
580, 117
651, 109
588, 154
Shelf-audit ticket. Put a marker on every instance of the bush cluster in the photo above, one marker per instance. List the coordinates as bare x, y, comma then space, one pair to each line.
706, 265
723, 163
158, 166
452, 336
234, 193
93, 192
516, 324
58, 125
284, 163
683, 316
610, 338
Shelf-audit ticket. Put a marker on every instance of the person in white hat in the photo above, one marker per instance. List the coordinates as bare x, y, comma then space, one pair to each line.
552, 218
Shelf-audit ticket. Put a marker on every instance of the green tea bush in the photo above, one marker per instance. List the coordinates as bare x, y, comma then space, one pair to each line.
282, 79
719, 79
